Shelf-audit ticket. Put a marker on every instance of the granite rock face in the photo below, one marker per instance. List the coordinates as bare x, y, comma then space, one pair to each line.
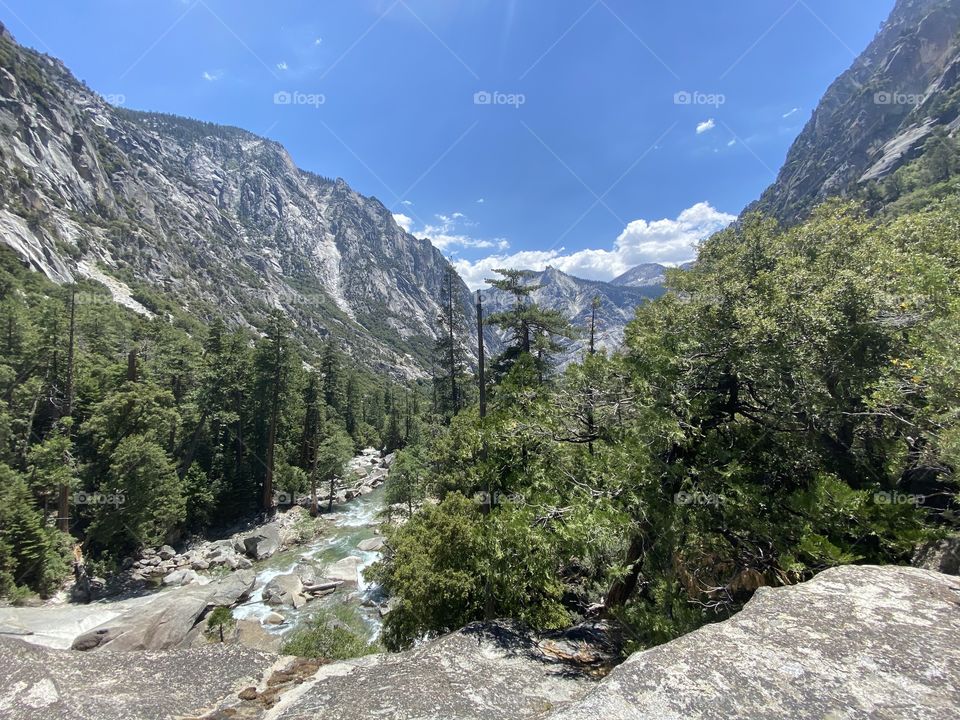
878, 114
215, 218
573, 298
166, 622
854, 642
42, 684
477, 673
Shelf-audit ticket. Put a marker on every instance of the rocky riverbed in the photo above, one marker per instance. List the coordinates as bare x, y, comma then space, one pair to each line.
269, 575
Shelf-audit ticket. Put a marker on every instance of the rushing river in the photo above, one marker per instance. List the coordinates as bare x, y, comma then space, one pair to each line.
352, 523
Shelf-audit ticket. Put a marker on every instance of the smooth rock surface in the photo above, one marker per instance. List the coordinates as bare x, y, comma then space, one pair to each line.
477, 673
167, 620
42, 684
345, 570
854, 642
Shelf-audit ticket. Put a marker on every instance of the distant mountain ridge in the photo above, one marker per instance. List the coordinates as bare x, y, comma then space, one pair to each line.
573, 297
645, 275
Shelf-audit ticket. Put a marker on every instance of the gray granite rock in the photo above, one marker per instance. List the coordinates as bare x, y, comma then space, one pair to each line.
168, 619
43, 684
854, 642
263, 542
477, 673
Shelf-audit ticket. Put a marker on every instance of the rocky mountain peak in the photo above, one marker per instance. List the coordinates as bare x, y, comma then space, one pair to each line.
219, 219
878, 114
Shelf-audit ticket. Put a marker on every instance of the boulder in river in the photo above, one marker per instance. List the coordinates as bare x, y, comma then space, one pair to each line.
263, 542
371, 544
345, 570
285, 590
232, 589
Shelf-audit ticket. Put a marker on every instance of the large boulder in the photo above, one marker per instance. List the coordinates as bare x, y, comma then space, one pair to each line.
285, 590
232, 589
183, 577
374, 544
940, 555
167, 620
163, 624
854, 642
346, 570
263, 542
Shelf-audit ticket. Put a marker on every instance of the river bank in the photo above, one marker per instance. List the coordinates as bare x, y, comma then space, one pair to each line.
273, 577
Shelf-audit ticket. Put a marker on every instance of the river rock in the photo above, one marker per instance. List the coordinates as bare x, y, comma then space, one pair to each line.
274, 618
181, 577
163, 624
232, 589
167, 553
263, 542
167, 620
344, 570
285, 590
371, 544
252, 634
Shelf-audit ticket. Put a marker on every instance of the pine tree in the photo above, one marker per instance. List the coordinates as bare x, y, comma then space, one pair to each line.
533, 330
272, 367
449, 351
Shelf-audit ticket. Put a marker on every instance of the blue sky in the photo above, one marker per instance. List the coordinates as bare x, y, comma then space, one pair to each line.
591, 135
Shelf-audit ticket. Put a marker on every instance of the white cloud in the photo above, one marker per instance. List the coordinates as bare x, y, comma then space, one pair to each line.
481, 201
212, 75
706, 126
403, 221
666, 241
447, 233
282, 66
318, 41
475, 274
791, 112
732, 142
408, 203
